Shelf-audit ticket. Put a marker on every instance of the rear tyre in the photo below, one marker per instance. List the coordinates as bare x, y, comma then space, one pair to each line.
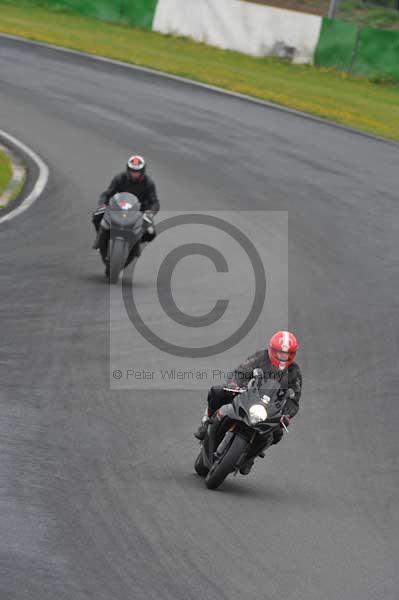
225, 465
116, 260
200, 467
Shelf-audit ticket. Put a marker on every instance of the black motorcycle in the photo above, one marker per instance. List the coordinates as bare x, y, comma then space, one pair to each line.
122, 226
242, 430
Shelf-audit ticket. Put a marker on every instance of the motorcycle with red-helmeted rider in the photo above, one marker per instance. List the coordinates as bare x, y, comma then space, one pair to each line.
250, 412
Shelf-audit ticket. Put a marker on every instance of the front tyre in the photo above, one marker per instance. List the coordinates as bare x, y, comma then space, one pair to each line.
225, 465
116, 259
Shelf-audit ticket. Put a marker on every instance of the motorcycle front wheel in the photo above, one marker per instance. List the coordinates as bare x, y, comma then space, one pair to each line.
226, 464
117, 259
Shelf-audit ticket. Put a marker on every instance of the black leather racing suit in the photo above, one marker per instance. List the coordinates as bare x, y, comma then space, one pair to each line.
144, 189
291, 378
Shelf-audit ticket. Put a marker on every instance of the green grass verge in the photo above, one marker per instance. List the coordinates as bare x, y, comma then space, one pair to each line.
15, 193
383, 17
352, 101
5, 172
18, 189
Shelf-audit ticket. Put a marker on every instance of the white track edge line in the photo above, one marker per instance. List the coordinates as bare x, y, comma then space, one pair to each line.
40, 183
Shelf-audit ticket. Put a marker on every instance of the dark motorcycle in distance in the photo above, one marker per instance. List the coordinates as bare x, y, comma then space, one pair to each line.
242, 430
122, 226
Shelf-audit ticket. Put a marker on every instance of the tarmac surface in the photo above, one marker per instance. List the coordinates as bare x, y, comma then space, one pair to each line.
98, 497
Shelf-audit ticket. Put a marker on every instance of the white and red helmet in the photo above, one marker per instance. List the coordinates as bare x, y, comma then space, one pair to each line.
282, 349
135, 164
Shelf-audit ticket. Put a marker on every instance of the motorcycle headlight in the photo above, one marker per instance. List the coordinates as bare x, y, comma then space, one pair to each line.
257, 413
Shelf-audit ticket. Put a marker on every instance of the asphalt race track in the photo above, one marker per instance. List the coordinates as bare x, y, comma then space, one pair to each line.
98, 498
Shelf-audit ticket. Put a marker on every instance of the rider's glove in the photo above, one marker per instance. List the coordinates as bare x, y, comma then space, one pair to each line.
290, 394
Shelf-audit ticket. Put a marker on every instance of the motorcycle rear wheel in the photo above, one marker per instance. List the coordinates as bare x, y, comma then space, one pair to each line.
200, 467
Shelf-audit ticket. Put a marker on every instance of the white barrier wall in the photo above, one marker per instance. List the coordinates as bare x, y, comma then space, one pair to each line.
247, 28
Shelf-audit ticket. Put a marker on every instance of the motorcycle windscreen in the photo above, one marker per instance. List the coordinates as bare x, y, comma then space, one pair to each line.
124, 201
125, 214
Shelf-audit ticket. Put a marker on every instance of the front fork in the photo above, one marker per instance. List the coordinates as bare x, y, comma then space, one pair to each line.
209, 443
226, 442
255, 446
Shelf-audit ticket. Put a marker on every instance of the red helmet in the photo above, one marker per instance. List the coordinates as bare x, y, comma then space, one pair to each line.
282, 349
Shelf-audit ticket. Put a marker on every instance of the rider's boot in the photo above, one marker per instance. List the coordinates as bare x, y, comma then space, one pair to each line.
96, 241
202, 429
247, 466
